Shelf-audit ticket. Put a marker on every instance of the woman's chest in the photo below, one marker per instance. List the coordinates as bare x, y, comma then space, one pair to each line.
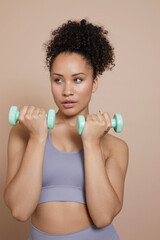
66, 140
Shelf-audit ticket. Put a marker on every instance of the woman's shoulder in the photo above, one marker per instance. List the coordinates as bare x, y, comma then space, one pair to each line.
109, 138
110, 143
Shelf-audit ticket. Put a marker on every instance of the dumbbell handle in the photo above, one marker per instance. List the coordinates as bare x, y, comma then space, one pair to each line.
17, 116
113, 122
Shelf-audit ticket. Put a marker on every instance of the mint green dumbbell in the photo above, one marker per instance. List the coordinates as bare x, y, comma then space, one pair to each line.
116, 123
14, 116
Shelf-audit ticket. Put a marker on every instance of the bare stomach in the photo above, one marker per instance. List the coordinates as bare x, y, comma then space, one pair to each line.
61, 217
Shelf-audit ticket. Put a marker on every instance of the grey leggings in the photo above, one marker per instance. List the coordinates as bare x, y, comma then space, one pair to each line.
89, 233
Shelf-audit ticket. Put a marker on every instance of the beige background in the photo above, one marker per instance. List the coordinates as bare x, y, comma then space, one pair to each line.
131, 89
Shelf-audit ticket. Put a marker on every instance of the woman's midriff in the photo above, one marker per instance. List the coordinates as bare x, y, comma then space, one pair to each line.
61, 217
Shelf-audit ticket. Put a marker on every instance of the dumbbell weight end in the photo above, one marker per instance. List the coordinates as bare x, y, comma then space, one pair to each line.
13, 115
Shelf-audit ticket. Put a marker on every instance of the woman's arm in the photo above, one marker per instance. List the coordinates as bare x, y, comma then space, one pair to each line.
104, 183
23, 191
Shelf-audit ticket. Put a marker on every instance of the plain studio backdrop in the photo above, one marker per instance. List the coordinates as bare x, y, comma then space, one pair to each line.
132, 88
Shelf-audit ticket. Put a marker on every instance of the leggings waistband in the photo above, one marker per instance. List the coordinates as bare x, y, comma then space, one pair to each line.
91, 232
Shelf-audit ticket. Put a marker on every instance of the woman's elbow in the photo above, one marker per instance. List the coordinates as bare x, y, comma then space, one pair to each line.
19, 217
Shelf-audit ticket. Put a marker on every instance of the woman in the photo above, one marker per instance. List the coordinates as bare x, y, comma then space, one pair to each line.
70, 185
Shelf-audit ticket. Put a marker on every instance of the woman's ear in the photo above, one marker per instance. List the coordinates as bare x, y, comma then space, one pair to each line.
95, 85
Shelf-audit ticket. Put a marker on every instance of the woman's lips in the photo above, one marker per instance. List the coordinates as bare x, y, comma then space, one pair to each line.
69, 105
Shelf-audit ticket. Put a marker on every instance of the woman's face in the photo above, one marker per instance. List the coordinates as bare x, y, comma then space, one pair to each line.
71, 79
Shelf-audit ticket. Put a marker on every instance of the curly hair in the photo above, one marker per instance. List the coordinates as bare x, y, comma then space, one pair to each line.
83, 38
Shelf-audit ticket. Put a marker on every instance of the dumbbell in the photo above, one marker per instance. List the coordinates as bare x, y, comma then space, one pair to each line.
14, 116
116, 123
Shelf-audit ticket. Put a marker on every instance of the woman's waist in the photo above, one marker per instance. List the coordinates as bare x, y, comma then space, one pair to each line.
61, 217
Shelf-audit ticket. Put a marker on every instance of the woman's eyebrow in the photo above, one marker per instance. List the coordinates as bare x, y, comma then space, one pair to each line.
72, 75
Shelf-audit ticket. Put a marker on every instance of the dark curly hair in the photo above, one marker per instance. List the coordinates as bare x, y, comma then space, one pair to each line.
83, 38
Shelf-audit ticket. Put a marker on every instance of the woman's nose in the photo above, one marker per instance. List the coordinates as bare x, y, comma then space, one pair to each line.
68, 88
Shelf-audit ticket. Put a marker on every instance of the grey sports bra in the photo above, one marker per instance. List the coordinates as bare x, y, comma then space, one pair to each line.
63, 175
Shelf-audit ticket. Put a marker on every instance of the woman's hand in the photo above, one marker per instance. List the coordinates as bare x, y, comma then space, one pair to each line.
96, 126
34, 120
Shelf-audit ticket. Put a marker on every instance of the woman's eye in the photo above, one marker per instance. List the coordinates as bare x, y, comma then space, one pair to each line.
79, 79
57, 79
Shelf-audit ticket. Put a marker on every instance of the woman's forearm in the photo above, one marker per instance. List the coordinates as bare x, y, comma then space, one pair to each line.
23, 192
102, 201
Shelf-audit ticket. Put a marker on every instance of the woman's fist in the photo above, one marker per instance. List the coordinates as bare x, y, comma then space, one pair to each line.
96, 126
34, 120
